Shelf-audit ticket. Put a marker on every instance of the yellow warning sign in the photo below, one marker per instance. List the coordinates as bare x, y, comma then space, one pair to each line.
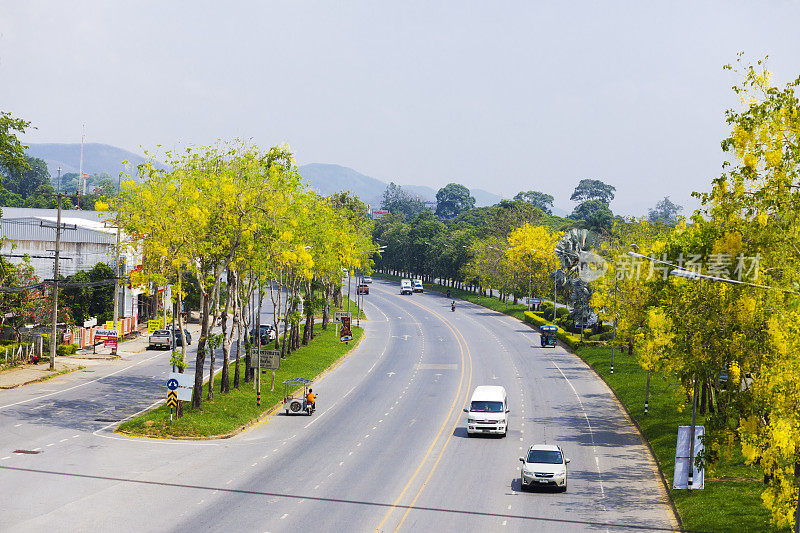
172, 398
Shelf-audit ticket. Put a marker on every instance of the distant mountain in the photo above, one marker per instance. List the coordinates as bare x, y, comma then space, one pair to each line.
327, 179
97, 158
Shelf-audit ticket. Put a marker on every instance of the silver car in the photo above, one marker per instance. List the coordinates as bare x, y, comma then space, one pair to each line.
544, 466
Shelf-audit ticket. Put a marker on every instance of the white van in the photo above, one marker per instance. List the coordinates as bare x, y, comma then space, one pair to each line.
405, 286
488, 411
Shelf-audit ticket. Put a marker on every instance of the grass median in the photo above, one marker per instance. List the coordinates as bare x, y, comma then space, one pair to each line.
227, 413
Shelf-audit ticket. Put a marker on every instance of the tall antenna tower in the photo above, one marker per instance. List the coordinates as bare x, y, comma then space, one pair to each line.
81, 176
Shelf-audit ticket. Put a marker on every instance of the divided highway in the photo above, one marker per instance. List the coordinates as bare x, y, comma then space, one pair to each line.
387, 448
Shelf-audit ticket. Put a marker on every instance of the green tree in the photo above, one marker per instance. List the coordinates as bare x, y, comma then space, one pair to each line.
30, 180
453, 199
397, 200
12, 151
593, 190
594, 215
665, 212
537, 199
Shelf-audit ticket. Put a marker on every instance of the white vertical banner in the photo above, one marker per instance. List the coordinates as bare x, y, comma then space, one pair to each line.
682, 460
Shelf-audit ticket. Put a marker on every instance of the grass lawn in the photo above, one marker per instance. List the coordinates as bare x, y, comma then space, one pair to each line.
228, 412
731, 499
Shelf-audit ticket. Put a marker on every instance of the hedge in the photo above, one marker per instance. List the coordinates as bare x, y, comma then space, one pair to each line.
567, 338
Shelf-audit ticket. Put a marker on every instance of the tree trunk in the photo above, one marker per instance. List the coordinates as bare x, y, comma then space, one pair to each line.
240, 339
200, 359
326, 307
703, 393
227, 337
179, 410
309, 315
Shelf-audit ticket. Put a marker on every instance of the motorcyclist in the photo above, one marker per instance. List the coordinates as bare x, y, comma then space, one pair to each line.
453, 305
311, 399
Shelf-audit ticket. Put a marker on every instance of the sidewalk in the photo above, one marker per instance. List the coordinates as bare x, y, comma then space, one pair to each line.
27, 374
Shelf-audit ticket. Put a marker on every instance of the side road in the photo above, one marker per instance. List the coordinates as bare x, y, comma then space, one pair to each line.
27, 374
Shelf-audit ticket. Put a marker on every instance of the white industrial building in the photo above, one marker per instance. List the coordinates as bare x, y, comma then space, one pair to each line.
25, 233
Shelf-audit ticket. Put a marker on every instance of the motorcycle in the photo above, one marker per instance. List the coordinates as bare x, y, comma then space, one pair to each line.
453, 306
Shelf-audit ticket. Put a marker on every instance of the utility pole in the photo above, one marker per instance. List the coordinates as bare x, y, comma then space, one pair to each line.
116, 294
54, 330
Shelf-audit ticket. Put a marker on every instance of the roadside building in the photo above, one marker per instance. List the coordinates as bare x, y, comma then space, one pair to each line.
92, 242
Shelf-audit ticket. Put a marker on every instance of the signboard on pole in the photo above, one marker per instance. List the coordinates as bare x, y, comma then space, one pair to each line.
110, 343
92, 322
182, 385
103, 334
345, 334
338, 314
152, 325
172, 400
270, 359
682, 460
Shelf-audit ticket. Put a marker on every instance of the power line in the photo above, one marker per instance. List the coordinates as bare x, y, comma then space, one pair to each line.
615, 525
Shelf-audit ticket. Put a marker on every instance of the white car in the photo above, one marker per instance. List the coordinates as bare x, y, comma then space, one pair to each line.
544, 466
367, 279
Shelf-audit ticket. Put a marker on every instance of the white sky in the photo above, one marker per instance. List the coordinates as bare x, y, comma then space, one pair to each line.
504, 96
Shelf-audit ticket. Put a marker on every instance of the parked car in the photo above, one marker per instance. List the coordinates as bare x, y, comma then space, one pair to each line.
267, 333
367, 279
179, 337
362, 288
544, 466
160, 338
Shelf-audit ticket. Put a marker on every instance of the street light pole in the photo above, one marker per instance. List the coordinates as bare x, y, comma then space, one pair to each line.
614, 341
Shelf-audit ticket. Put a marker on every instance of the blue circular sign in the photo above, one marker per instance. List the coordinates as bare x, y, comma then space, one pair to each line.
172, 384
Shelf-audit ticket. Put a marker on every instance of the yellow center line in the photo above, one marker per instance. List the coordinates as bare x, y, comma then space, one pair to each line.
444, 424
446, 442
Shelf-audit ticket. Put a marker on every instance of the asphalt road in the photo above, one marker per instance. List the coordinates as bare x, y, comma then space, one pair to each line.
386, 450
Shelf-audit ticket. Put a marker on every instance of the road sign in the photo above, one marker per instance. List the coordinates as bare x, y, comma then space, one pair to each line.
337, 315
270, 360
172, 398
152, 325
682, 452
183, 385
345, 334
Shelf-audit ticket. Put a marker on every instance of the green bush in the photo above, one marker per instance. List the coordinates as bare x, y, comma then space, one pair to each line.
66, 349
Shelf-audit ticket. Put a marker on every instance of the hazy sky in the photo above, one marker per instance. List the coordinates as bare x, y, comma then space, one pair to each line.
505, 96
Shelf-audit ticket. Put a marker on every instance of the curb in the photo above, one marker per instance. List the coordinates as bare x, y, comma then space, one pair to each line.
42, 378
634, 423
262, 419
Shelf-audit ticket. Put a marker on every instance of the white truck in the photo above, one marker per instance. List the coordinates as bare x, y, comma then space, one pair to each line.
405, 286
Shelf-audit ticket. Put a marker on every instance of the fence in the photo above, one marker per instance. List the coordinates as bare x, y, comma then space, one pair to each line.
86, 336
